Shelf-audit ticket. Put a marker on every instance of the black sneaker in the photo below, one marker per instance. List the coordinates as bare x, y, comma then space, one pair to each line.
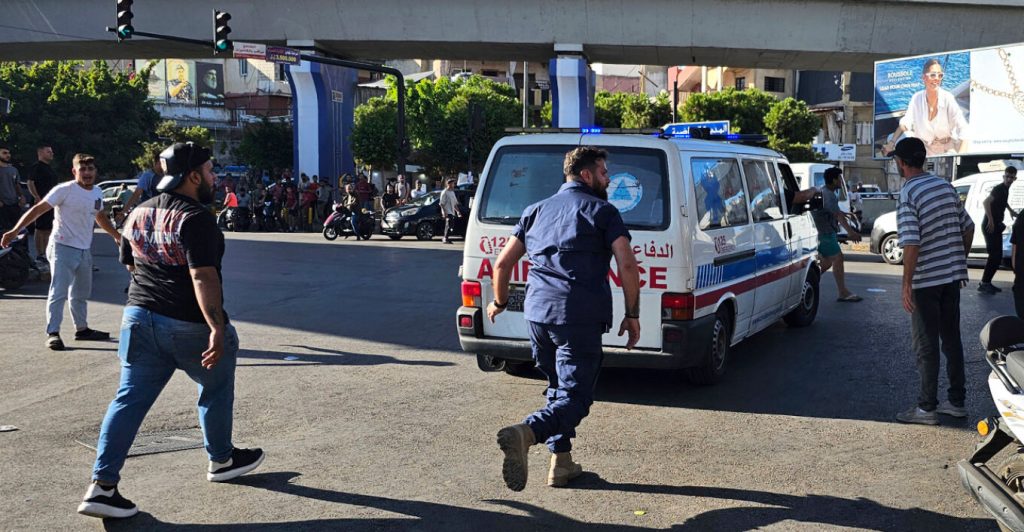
91, 334
987, 288
241, 462
104, 503
54, 342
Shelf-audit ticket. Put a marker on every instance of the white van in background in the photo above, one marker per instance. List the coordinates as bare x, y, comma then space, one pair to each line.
721, 256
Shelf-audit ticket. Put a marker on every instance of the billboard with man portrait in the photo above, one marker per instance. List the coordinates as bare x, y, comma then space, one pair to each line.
180, 81
210, 84
958, 103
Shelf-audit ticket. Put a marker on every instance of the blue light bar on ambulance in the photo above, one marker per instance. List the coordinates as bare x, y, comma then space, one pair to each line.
590, 130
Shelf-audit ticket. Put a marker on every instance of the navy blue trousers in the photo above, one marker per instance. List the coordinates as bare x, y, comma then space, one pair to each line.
570, 357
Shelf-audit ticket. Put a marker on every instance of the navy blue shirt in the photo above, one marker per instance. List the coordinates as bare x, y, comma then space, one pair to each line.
568, 240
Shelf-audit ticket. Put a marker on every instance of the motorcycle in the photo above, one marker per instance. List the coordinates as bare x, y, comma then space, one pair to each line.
235, 219
15, 264
339, 224
1001, 492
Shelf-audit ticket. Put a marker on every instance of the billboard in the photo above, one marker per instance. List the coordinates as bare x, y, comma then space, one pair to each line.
157, 79
181, 81
958, 103
211, 84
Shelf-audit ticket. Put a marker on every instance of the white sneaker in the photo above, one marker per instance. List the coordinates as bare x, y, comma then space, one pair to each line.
950, 409
918, 416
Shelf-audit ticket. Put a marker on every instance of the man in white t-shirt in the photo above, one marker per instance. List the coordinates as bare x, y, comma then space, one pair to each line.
77, 205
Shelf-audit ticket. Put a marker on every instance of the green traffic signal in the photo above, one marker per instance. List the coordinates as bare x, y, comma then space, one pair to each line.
220, 31
124, 19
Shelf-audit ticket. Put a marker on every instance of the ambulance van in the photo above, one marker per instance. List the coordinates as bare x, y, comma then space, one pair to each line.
721, 255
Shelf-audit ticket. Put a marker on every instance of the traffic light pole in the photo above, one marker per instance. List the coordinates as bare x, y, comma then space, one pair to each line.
400, 126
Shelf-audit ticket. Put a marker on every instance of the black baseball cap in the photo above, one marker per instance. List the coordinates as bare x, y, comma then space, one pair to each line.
178, 160
910, 148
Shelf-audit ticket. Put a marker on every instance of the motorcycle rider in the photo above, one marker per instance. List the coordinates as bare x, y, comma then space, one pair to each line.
352, 203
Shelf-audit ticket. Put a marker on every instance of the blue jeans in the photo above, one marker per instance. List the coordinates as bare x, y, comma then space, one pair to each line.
70, 274
570, 357
152, 346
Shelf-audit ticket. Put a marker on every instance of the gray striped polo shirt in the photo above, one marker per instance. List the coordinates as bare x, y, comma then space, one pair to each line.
931, 216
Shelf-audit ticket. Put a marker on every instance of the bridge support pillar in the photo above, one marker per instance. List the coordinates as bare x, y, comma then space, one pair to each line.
572, 88
322, 117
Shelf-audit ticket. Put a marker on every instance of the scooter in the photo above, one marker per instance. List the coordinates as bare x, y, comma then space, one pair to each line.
339, 224
15, 264
1001, 492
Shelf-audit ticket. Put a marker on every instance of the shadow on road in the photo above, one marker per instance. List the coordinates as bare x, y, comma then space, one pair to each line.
329, 357
815, 509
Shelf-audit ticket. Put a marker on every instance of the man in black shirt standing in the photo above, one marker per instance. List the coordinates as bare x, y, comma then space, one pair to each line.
992, 229
174, 319
41, 178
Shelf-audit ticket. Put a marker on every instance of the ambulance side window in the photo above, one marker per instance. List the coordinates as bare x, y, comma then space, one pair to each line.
721, 200
764, 191
790, 187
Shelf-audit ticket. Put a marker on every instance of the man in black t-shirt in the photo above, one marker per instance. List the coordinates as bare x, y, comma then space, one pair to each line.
992, 229
41, 178
174, 319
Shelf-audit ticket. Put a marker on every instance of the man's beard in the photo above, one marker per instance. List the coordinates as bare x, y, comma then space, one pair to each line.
205, 192
600, 191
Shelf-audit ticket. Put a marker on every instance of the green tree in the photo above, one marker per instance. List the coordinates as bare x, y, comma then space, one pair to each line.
438, 123
166, 133
77, 108
745, 110
791, 127
373, 135
641, 111
609, 108
267, 145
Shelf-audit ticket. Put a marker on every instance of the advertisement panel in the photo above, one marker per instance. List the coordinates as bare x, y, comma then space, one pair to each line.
157, 79
181, 78
958, 103
211, 84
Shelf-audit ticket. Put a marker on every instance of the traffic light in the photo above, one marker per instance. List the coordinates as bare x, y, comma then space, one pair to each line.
124, 20
221, 43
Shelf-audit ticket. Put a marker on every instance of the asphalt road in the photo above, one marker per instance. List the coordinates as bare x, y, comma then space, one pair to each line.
383, 423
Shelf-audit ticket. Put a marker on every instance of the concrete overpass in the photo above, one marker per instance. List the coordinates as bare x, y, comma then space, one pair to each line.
797, 34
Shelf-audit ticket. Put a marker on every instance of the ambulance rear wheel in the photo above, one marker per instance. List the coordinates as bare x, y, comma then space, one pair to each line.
519, 369
490, 363
717, 355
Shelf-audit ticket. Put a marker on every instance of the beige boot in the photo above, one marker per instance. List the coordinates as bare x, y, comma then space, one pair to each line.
515, 442
563, 469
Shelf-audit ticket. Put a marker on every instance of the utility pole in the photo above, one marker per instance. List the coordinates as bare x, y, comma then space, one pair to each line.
526, 88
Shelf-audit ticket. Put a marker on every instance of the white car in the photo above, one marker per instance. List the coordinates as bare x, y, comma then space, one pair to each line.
972, 190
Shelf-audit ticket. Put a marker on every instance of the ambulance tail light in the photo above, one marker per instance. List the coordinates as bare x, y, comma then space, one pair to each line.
471, 294
676, 307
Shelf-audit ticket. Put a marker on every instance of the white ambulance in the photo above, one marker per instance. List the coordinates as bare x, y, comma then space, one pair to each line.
720, 255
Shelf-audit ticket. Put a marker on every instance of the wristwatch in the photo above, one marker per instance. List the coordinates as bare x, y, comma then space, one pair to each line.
500, 305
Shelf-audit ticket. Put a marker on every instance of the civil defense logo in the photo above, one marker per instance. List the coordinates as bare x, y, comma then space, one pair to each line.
625, 192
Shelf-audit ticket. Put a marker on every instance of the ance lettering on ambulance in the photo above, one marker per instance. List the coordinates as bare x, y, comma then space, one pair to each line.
654, 277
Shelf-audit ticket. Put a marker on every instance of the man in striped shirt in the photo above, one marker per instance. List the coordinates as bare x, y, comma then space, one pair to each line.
935, 232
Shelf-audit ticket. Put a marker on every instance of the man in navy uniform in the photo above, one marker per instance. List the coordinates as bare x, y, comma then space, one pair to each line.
570, 239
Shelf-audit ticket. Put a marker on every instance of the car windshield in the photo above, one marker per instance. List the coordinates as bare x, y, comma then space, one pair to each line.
523, 175
421, 201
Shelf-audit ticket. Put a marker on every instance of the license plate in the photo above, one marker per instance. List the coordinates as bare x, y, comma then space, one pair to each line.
516, 297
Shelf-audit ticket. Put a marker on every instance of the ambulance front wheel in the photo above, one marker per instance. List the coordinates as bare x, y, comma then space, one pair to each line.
804, 314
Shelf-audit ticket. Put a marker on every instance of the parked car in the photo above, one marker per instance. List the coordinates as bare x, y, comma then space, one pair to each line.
422, 217
972, 190
111, 190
